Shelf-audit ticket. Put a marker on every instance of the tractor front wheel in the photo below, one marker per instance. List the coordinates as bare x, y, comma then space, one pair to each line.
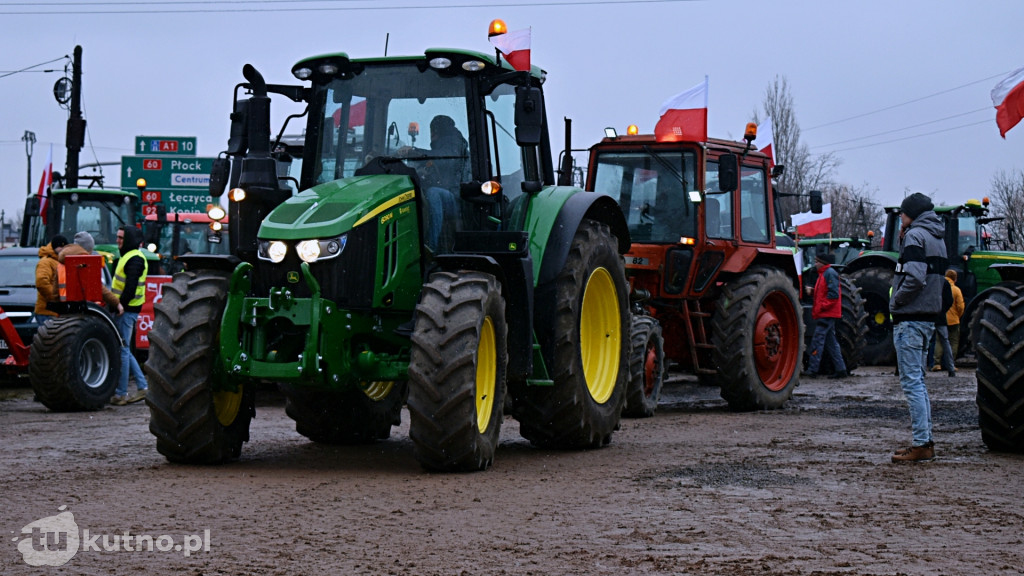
757, 334
646, 368
195, 417
582, 321
74, 363
457, 372
998, 331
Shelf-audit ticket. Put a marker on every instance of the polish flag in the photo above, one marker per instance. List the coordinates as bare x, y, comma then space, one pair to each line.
768, 138
684, 117
1008, 98
45, 183
515, 46
811, 224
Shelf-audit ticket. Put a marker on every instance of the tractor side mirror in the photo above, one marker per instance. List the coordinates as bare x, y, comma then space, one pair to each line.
728, 172
32, 206
815, 201
219, 174
529, 115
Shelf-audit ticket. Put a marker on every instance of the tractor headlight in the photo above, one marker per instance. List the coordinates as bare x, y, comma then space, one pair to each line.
308, 250
276, 251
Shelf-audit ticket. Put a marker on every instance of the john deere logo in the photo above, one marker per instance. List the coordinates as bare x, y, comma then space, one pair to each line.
293, 277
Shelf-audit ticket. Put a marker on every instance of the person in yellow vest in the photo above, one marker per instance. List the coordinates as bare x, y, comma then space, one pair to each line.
46, 277
129, 285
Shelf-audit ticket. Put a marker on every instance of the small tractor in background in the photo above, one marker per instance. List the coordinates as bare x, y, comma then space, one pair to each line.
997, 331
704, 265
970, 249
445, 277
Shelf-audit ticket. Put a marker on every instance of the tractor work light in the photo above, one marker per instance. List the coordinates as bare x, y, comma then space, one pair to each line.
687, 241
303, 73
328, 69
472, 65
695, 196
440, 63
216, 226
215, 212
610, 132
236, 194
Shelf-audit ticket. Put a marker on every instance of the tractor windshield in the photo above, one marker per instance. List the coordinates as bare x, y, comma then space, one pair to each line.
395, 110
652, 190
99, 216
970, 234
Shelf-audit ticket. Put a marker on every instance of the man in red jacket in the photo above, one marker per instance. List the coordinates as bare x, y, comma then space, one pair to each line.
828, 307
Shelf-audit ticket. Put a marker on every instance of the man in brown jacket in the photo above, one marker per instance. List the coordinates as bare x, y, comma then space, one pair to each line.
46, 276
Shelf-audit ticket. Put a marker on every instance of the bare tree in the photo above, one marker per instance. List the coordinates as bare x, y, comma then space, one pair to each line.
854, 211
1008, 202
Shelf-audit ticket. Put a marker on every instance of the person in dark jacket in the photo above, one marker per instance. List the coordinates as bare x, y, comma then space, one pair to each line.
828, 308
915, 304
129, 285
444, 170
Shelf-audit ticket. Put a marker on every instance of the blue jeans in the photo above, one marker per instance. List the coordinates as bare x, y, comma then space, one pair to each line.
125, 324
944, 357
825, 341
440, 207
911, 341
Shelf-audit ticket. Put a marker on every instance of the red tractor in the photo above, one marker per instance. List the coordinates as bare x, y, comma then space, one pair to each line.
705, 267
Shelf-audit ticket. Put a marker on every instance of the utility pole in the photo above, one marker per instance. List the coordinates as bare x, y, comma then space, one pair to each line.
3, 228
76, 124
29, 139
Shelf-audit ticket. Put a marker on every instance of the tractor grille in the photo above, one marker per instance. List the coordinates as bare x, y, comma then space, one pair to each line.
343, 280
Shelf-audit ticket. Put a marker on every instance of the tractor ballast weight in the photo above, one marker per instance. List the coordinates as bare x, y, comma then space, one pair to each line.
446, 277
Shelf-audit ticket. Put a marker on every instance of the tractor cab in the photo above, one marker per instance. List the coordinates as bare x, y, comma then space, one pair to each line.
68, 211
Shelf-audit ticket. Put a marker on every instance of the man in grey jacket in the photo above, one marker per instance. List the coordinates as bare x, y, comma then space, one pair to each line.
916, 301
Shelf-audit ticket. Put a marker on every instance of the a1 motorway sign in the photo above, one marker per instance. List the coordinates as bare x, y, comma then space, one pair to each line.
171, 145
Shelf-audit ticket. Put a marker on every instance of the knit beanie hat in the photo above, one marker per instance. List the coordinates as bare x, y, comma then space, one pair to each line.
826, 258
85, 240
915, 205
58, 241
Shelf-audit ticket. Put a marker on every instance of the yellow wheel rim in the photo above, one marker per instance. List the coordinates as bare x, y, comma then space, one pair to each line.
600, 335
486, 373
377, 390
226, 404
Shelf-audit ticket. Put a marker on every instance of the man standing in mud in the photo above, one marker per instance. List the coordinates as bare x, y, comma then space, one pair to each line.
916, 301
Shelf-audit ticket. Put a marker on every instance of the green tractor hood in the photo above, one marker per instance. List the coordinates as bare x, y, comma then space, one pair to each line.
336, 207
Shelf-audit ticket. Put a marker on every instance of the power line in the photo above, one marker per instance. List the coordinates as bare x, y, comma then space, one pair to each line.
914, 136
234, 8
904, 128
11, 73
932, 95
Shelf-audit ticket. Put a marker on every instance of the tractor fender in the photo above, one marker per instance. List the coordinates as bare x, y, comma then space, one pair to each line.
872, 260
97, 311
576, 207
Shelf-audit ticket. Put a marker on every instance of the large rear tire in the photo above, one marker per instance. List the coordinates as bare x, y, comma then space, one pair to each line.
195, 419
758, 338
998, 332
646, 368
74, 363
345, 417
875, 285
582, 322
457, 372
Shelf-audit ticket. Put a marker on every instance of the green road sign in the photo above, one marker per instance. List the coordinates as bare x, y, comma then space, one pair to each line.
183, 181
169, 145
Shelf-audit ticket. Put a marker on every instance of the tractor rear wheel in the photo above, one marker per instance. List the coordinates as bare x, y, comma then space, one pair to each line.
582, 322
195, 418
875, 285
345, 417
757, 334
998, 331
646, 368
74, 363
457, 372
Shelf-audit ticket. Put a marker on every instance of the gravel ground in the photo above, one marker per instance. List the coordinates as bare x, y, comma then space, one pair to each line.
807, 490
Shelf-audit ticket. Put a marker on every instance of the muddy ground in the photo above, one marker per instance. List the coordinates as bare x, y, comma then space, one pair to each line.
807, 490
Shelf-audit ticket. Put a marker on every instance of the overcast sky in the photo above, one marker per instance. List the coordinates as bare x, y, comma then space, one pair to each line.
899, 90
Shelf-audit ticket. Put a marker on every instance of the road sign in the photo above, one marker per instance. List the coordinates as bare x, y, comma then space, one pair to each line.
183, 181
169, 145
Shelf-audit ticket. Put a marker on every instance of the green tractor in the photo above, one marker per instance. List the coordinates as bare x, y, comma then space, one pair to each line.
454, 276
970, 249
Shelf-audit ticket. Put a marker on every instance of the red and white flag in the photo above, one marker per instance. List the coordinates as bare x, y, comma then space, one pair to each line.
515, 46
1008, 98
45, 183
811, 224
684, 117
767, 138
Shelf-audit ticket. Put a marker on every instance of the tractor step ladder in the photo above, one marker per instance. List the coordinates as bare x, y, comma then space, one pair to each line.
697, 335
